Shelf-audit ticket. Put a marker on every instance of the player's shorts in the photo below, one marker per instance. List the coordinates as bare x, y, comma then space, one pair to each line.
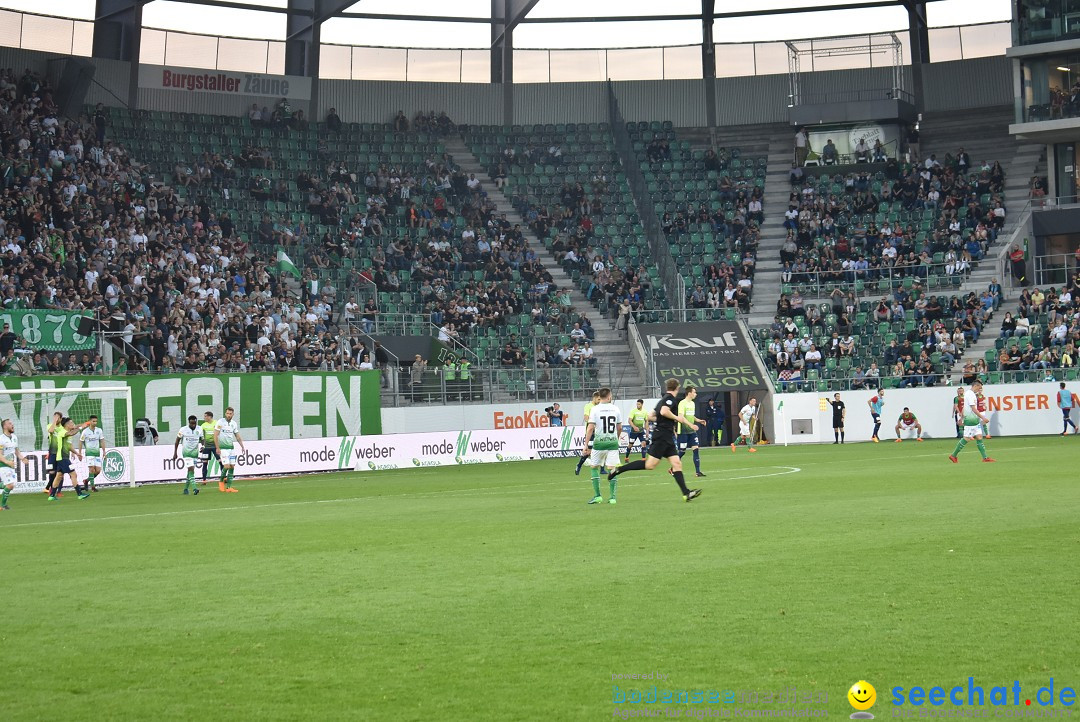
228, 457
189, 459
93, 460
1066, 412
909, 430
875, 417
837, 423
970, 432
7, 475
63, 466
636, 436
50, 463
688, 441
744, 429
208, 450
604, 457
663, 446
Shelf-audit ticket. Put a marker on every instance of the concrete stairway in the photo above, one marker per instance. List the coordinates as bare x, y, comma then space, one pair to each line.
610, 347
774, 141
767, 282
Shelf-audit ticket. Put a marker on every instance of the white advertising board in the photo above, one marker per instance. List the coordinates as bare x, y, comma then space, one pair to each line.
478, 417
154, 464
1014, 410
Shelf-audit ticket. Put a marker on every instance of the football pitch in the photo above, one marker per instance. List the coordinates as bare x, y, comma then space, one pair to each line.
494, 592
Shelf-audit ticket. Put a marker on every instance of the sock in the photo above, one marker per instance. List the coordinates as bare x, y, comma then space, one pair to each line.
90, 480
959, 447
841, 437
225, 477
7, 493
985, 430
229, 478
611, 488
982, 447
836, 435
191, 479
681, 482
877, 427
697, 460
580, 462
632, 466
643, 452
205, 467
596, 481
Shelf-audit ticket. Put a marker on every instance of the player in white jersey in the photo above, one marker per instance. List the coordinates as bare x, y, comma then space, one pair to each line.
974, 404
226, 436
602, 442
92, 443
191, 437
746, 415
9, 456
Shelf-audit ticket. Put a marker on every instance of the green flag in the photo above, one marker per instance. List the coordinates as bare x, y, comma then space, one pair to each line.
284, 264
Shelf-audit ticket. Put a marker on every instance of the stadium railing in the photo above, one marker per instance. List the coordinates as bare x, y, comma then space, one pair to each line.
933, 278
440, 385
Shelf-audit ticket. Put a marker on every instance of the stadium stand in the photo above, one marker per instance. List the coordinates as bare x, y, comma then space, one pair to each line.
211, 242
709, 202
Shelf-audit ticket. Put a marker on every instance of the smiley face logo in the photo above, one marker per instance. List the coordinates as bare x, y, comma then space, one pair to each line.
862, 697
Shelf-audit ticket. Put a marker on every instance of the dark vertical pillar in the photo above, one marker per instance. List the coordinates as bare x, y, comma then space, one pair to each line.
117, 36
708, 62
920, 48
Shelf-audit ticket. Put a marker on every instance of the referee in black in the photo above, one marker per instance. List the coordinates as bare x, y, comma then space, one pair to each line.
839, 411
664, 445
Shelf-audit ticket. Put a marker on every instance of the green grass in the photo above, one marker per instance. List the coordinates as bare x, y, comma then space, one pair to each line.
493, 592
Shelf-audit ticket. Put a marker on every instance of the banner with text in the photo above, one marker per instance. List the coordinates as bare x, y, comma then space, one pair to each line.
1013, 409
267, 405
401, 451
48, 329
225, 82
711, 355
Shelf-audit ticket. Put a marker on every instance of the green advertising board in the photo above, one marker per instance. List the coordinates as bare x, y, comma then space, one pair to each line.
298, 405
48, 329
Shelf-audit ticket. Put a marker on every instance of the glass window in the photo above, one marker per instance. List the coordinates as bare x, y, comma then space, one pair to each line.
734, 60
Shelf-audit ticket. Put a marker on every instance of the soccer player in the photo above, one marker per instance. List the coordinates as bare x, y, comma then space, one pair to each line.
663, 444
226, 436
50, 462
958, 411
92, 443
192, 437
208, 448
908, 421
1066, 400
875, 404
639, 428
688, 438
62, 435
839, 413
9, 456
746, 415
588, 411
974, 405
602, 442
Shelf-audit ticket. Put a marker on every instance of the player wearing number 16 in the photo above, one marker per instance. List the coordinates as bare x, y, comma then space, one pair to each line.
191, 436
602, 441
9, 456
226, 436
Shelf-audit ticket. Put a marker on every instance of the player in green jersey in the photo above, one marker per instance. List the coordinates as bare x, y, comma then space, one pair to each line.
639, 428
62, 436
974, 405
191, 436
602, 442
688, 437
588, 410
208, 448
